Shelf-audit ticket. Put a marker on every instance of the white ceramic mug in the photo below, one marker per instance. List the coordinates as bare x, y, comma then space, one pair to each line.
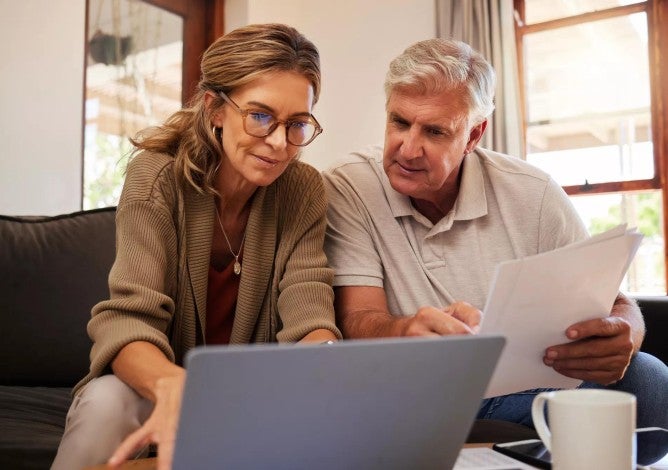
588, 428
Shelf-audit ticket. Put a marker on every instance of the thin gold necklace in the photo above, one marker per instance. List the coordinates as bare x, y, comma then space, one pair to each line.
237, 264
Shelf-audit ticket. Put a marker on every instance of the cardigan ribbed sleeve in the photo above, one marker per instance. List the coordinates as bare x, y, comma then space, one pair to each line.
142, 281
305, 295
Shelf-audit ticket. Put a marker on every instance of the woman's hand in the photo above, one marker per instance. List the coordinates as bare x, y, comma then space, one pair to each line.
145, 368
160, 427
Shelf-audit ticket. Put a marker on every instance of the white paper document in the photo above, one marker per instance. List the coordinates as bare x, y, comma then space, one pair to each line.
533, 300
484, 458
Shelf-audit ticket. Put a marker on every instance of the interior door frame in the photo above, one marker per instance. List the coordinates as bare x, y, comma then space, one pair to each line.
203, 23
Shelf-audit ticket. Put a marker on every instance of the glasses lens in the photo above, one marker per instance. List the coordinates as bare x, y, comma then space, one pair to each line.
301, 132
259, 124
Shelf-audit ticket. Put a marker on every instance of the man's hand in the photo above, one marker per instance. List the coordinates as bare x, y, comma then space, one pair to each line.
456, 319
362, 312
600, 352
159, 428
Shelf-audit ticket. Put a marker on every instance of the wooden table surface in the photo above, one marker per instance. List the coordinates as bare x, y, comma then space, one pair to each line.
139, 464
150, 463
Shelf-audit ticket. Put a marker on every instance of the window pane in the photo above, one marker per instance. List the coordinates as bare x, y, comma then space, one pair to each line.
643, 210
622, 162
133, 80
588, 108
537, 11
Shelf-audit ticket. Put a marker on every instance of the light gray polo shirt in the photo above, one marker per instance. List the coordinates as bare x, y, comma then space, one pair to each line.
506, 209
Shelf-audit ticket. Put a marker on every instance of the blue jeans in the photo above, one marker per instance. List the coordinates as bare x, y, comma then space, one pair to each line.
646, 378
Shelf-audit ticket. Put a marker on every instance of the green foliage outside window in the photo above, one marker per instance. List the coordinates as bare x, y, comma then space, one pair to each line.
105, 170
641, 210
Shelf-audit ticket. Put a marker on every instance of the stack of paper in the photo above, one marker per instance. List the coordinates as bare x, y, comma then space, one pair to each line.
533, 300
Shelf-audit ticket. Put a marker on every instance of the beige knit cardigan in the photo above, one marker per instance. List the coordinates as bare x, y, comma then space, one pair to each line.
158, 282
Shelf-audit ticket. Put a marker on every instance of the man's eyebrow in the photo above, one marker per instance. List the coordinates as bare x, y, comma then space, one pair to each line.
428, 127
394, 115
270, 110
437, 128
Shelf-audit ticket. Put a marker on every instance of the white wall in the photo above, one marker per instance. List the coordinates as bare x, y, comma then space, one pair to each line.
41, 84
357, 40
41, 97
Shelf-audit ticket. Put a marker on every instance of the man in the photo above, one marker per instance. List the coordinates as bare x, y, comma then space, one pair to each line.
417, 227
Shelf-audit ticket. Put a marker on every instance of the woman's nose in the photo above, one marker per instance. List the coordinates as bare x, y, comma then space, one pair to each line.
278, 138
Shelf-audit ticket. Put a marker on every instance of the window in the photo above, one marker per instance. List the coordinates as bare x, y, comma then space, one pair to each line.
591, 86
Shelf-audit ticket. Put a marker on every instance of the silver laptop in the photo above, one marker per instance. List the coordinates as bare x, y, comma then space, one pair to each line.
357, 404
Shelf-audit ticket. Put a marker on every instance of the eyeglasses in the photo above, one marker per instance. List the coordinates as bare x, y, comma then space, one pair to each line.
258, 123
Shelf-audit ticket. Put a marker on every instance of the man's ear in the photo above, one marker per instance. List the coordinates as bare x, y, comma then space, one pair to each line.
475, 135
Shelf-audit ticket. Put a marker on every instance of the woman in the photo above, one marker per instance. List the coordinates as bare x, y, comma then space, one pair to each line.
219, 240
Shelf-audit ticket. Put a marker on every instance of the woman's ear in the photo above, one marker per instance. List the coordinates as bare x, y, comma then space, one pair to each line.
209, 103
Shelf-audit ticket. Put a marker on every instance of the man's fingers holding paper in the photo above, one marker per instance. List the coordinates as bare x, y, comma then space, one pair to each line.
604, 370
599, 327
600, 353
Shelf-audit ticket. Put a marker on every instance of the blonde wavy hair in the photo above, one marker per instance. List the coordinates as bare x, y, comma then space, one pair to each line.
233, 60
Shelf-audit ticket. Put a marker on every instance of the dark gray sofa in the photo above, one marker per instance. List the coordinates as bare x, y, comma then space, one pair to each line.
54, 270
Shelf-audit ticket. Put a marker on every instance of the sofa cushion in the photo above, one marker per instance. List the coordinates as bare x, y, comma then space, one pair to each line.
54, 269
32, 420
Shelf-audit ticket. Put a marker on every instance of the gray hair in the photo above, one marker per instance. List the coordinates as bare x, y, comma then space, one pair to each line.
435, 65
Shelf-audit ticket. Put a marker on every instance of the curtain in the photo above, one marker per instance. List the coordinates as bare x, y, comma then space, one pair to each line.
487, 25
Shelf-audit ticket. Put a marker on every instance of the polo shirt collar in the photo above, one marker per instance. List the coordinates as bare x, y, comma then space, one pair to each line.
471, 202
400, 205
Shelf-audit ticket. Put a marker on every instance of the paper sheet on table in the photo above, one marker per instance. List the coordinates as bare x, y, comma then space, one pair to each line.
533, 300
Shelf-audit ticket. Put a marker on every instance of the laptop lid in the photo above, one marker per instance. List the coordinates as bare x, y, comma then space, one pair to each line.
367, 404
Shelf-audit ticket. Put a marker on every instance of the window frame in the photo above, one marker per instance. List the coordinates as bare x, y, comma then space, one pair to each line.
657, 19
203, 23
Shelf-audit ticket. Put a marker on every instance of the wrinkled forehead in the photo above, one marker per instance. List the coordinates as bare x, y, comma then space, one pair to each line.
450, 105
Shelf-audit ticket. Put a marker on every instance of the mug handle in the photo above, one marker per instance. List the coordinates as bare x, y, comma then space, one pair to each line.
538, 416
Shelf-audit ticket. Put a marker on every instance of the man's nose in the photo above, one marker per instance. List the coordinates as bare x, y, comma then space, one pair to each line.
411, 146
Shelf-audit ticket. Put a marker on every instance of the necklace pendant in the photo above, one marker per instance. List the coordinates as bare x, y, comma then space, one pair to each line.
237, 267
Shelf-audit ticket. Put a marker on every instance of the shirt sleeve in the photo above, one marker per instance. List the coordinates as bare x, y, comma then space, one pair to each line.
560, 224
350, 241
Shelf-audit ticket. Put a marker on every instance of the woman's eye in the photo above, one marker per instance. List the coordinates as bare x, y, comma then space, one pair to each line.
261, 118
298, 124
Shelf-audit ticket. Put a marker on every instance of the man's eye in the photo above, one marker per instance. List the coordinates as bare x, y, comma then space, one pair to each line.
435, 132
399, 122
